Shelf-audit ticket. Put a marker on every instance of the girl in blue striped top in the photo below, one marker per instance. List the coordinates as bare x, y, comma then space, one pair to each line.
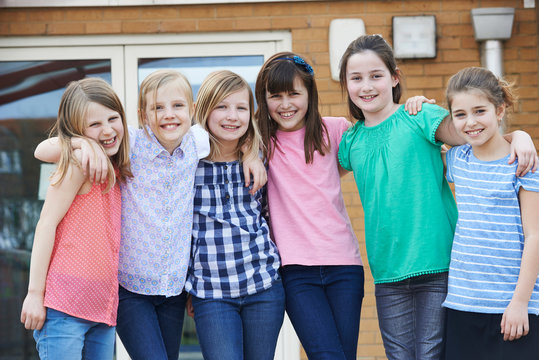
493, 291
237, 295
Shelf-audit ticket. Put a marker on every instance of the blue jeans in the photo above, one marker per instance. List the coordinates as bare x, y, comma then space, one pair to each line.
240, 328
150, 326
411, 317
67, 337
324, 305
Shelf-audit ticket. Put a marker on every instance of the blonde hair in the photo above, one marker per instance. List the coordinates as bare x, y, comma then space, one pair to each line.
498, 91
214, 89
71, 122
156, 80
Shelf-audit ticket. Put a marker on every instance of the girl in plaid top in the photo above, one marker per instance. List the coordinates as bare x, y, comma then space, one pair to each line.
237, 295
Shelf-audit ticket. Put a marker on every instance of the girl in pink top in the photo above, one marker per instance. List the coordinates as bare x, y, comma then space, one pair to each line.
73, 288
322, 269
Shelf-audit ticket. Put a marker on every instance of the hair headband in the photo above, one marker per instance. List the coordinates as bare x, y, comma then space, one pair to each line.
298, 60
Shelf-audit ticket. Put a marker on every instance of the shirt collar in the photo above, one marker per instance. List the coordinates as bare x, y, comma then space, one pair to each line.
156, 148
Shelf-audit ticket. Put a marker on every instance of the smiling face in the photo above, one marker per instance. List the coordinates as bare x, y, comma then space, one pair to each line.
105, 126
168, 114
288, 109
475, 118
229, 120
370, 84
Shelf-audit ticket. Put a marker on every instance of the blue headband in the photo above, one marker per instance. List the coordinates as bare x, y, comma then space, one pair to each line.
298, 60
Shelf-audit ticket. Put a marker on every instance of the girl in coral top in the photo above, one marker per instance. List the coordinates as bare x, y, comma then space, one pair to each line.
73, 289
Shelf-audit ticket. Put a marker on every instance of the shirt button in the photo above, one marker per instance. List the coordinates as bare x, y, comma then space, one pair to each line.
226, 167
227, 196
226, 181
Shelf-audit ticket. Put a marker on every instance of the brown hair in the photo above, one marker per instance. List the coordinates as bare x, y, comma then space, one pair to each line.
71, 123
496, 90
277, 75
380, 47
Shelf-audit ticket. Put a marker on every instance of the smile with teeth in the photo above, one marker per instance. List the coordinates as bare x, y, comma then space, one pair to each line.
169, 126
368, 97
232, 127
108, 142
474, 132
287, 114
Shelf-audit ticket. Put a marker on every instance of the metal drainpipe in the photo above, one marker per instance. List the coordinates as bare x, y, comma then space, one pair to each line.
492, 56
491, 27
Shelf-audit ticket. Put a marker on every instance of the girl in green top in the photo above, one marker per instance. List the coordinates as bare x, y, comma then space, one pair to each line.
410, 213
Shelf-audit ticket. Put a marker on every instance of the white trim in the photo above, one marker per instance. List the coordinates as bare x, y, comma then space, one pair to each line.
97, 3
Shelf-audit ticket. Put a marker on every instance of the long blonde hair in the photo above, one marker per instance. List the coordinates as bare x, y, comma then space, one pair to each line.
71, 122
214, 89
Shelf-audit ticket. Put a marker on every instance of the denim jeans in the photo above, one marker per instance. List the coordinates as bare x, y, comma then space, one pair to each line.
324, 306
411, 317
150, 326
240, 328
67, 337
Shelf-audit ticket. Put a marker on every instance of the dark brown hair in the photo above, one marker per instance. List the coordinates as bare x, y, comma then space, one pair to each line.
277, 75
380, 47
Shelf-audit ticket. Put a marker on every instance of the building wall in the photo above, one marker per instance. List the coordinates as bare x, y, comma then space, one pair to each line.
309, 25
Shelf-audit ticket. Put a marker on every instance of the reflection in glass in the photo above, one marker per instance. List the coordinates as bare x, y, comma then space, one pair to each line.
30, 93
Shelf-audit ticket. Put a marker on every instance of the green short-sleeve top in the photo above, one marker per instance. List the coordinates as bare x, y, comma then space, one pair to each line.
410, 212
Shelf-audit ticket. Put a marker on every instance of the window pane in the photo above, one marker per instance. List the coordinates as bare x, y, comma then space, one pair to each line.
197, 68
30, 93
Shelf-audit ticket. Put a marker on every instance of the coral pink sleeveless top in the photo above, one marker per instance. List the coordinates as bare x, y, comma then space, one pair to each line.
82, 280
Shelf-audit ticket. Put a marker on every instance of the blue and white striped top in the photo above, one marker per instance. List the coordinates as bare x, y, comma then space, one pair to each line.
232, 252
488, 243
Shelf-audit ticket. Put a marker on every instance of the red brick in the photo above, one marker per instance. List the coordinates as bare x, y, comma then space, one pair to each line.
66, 28
159, 13
179, 25
234, 10
198, 12
253, 23
290, 22
104, 27
27, 28
216, 25
140, 27
84, 14
122, 13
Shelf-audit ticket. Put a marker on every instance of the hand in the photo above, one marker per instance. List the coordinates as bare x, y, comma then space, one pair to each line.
522, 147
189, 307
255, 167
33, 312
514, 323
413, 105
94, 161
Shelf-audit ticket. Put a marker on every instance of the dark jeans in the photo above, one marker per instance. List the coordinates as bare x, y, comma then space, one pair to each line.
324, 305
150, 326
240, 328
412, 318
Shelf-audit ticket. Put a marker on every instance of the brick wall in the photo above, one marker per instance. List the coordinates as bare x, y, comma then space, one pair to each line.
309, 23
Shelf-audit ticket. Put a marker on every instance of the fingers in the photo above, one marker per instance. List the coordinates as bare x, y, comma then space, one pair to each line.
247, 175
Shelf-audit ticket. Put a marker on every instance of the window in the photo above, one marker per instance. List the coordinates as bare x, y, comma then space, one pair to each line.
33, 74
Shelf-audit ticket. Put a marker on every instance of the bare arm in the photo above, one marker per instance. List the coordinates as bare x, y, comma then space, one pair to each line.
92, 157
522, 147
515, 318
57, 201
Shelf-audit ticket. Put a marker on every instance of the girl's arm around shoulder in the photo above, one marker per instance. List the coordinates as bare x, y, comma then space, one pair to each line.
89, 153
57, 201
514, 322
523, 148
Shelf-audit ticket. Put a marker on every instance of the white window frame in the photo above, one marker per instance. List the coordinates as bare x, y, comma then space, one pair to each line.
124, 52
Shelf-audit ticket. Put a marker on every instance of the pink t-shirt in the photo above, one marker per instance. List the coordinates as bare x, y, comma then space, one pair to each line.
82, 280
309, 221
